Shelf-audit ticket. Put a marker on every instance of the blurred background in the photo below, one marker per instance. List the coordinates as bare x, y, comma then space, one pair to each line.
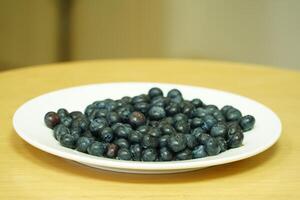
250, 31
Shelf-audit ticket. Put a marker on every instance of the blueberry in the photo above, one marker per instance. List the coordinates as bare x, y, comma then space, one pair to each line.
123, 131
124, 115
107, 135
101, 113
225, 109
110, 105
75, 130
219, 116
211, 109
222, 143
165, 154
156, 113
188, 108
115, 126
68, 141
99, 104
199, 112
233, 115
124, 154
233, 128
167, 129
51, 119
98, 124
197, 103
67, 121
142, 107
136, 152
191, 141
76, 114
160, 101
182, 126
155, 132
62, 113
137, 119
208, 122
112, 118
149, 154
97, 148
163, 140
140, 98
173, 109
219, 129
236, 140
196, 122
149, 141
76, 136
174, 93
155, 92
143, 129
87, 134
204, 138
167, 120
81, 122
60, 130
212, 147
135, 137
184, 155
154, 124
199, 152
180, 117
177, 142
89, 109
177, 99
197, 132
82, 144
122, 143
119, 103
112, 150
126, 100
247, 122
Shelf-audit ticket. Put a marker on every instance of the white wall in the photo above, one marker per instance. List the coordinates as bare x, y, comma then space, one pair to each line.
28, 32
257, 31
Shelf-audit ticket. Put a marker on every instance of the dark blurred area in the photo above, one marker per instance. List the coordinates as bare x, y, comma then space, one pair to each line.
38, 32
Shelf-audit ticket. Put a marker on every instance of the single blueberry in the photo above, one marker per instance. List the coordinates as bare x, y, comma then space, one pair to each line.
149, 154
68, 141
212, 147
124, 154
165, 154
82, 144
184, 155
219, 129
51, 119
122, 143
191, 141
97, 148
247, 122
136, 152
154, 92
199, 152
177, 142
156, 113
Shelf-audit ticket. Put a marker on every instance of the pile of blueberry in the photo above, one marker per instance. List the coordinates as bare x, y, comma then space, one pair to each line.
150, 127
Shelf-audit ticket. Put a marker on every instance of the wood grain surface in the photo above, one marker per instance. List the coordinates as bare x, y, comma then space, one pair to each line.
28, 173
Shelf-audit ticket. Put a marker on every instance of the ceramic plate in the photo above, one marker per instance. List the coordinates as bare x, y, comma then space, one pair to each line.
29, 125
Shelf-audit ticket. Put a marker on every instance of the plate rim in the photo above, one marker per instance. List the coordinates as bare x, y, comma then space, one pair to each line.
145, 166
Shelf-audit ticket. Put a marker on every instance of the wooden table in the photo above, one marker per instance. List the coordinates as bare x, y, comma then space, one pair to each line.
28, 173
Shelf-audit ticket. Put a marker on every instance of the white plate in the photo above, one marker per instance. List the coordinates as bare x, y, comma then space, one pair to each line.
28, 123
